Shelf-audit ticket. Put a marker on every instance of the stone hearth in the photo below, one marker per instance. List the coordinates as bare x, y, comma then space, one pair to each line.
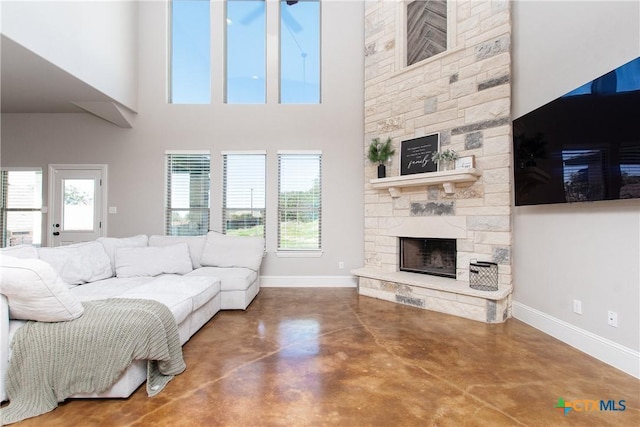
436, 293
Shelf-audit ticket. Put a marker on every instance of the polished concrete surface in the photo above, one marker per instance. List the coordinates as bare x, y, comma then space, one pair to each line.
328, 357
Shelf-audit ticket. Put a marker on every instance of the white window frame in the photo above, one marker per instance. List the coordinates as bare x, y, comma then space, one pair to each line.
170, 53
293, 252
267, 54
167, 207
320, 6
4, 209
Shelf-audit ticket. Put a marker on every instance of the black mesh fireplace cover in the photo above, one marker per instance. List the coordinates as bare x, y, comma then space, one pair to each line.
428, 256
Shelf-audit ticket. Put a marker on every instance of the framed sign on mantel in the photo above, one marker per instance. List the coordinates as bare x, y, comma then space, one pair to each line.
415, 154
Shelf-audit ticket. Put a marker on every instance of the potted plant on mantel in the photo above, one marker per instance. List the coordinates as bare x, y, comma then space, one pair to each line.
380, 153
445, 159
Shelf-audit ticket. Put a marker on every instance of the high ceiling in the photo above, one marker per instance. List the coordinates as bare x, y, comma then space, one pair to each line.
31, 84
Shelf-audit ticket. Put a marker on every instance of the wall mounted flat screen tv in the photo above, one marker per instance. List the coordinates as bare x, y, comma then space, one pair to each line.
583, 146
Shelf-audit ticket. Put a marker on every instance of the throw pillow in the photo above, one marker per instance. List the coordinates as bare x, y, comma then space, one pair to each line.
111, 244
79, 263
153, 260
35, 292
221, 250
196, 243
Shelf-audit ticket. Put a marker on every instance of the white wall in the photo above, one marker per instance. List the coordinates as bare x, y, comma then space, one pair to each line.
95, 41
135, 157
586, 251
560, 45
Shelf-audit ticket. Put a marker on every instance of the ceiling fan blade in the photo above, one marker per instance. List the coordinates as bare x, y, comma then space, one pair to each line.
251, 16
290, 21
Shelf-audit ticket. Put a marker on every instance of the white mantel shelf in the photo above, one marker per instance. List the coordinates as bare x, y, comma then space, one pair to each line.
448, 179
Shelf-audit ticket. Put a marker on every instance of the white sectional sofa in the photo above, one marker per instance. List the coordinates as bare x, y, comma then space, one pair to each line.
194, 276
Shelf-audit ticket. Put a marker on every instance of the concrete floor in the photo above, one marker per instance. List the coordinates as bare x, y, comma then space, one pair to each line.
314, 357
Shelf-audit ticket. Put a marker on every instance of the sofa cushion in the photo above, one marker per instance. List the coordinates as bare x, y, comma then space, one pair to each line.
221, 250
153, 260
35, 292
79, 263
196, 244
231, 278
111, 244
20, 251
108, 288
182, 294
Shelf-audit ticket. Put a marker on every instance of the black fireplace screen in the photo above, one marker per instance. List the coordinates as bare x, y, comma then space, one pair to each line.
428, 256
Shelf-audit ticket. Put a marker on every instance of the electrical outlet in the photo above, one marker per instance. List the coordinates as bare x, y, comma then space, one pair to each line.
577, 306
612, 318
340, 265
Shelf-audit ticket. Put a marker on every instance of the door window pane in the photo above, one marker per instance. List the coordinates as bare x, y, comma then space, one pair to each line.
190, 52
300, 52
246, 52
78, 208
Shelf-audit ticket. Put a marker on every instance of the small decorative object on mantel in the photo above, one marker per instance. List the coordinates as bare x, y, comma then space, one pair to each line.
446, 159
467, 162
380, 153
483, 275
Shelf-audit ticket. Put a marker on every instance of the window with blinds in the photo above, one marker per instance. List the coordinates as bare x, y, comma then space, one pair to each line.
243, 194
299, 200
21, 207
187, 193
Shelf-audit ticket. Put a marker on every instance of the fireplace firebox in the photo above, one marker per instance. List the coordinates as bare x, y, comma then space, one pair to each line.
428, 256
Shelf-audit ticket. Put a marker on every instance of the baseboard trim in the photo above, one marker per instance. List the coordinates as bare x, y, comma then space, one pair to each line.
308, 281
607, 351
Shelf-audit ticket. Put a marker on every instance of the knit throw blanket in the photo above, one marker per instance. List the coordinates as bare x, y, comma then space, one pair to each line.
52, 361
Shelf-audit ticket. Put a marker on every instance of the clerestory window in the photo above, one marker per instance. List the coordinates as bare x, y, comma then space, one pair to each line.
290, 69
190, 52
246, 52
300, 52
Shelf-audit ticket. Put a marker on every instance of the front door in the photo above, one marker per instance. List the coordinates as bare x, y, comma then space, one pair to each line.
76, 195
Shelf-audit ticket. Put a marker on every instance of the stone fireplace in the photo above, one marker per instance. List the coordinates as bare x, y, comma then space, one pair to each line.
462, 94
428, 256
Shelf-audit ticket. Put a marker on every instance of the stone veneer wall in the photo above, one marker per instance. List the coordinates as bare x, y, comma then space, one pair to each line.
464, 94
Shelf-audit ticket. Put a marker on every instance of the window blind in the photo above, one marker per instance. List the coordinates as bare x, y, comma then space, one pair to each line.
243, 194
187, 194
299, 201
